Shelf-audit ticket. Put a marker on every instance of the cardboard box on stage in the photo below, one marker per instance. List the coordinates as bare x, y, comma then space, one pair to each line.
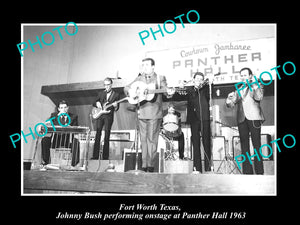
178, 166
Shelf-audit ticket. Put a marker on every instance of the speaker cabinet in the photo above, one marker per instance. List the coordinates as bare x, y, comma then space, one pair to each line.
268, 163
265, 139
130, 161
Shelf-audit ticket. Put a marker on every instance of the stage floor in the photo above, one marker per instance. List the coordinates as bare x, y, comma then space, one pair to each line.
71, 182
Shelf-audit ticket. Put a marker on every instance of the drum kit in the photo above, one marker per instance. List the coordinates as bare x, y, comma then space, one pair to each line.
169, 131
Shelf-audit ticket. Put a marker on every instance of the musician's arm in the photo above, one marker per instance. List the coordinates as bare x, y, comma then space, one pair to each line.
232, 99
41, 129
95, 104
229, 103
116, 106
164, 85
257, 93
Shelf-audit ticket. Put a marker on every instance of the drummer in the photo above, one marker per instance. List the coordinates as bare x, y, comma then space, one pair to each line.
175, 135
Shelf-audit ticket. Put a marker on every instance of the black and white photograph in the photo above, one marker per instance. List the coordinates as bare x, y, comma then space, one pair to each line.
173, 107
181, 117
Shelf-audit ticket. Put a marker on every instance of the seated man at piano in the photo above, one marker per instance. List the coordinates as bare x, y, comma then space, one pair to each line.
64, 140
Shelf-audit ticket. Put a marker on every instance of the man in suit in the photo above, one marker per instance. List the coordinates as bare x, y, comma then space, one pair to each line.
198, 117
249, 118
105, 120
61, 140
150, 113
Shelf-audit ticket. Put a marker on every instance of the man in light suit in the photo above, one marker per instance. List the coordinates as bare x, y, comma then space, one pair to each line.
150, 113
249, 118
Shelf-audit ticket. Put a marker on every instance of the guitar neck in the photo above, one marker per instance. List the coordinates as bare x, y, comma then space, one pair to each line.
111, 104
157, 91
160, 91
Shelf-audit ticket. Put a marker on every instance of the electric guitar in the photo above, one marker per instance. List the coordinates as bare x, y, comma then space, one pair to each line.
97, 112
140, 91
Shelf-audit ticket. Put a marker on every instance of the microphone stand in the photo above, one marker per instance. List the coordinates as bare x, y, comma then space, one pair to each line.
136, 141
212, 121
202, 127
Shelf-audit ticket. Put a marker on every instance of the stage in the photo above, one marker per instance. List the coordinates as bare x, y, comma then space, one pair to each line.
75, 182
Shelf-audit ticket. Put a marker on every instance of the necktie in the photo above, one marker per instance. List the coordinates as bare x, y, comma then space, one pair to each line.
64, 120
108, 95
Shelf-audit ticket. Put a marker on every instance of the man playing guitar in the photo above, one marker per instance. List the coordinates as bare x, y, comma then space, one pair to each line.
105, 119
150, 112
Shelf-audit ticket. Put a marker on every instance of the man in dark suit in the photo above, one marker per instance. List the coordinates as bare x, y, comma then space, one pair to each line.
198, 117
61, 140
105, 120
249, 118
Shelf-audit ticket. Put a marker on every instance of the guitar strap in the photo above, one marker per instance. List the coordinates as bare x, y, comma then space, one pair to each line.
158, 81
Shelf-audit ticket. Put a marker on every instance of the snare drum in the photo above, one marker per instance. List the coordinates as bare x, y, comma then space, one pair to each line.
170, 122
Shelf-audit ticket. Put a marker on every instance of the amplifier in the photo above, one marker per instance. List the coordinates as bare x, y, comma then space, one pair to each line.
265, 139
268, 163
115, 135
130, 160
119, 136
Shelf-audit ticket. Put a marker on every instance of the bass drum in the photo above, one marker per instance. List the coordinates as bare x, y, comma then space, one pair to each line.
170, 122
171, 126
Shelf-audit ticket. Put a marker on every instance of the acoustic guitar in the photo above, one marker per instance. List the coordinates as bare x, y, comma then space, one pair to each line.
140, 91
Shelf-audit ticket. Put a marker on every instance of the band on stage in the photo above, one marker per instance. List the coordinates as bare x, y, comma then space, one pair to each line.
147, 93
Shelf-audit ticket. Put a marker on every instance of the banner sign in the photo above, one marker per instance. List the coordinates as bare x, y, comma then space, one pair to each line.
224, 59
